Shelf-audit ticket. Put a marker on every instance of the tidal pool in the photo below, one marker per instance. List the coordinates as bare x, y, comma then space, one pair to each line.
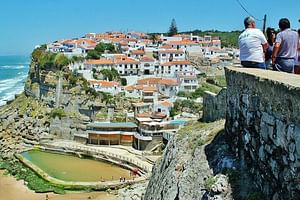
71, 168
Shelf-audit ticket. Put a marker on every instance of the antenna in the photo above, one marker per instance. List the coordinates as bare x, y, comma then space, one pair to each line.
265, 21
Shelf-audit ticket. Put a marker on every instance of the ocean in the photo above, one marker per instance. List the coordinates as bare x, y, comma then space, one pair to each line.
13, 74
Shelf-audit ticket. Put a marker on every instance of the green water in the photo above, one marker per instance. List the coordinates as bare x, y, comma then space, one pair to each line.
71, 168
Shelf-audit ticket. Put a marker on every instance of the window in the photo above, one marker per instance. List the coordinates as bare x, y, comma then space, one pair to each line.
131, 66
176, 55
125, 66
163, 55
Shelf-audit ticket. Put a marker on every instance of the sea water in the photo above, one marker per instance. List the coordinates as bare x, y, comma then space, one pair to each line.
13, 74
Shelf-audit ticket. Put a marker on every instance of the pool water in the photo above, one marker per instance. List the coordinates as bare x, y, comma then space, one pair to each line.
71, 168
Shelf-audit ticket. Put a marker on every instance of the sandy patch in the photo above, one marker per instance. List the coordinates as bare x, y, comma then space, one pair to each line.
11, 189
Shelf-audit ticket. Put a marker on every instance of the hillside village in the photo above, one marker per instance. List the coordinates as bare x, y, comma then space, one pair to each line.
152, 71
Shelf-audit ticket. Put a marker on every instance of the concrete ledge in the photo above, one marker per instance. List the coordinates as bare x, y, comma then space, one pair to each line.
291, 80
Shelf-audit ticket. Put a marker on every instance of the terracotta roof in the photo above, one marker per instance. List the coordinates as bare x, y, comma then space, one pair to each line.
167, 104
148, 81
129, 88
171, 51
100, 62
137, 52
149, 88
166, 46
144, 115
126, 61
146, 59
180, 62
168, 82
104, 83
145, 88
158, 115
183, 42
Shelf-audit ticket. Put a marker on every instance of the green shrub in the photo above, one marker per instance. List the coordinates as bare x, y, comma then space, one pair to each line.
57, 112
209, 182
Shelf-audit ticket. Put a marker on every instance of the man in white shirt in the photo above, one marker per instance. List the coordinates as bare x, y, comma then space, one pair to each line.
252, 43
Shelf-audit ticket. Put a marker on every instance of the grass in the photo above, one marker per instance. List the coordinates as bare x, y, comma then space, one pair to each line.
209, 182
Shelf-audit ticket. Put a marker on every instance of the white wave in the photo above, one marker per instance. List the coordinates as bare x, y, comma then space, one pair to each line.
13, 66
9, 93
9, 84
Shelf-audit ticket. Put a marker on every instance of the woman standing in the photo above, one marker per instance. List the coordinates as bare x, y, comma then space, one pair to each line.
271, 36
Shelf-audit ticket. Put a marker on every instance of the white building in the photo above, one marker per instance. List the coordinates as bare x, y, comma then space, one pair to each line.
111, 87
188, 81
166, 87
147, 65
169, 69
146, 93
168, 55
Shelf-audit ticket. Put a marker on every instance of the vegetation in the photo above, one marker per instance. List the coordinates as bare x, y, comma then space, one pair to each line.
100, 49
34, 182
217, 80
209, 182
57, 112
123, 81
110, 74
186, 105
229, 39
48, 60
199, 92
173, 28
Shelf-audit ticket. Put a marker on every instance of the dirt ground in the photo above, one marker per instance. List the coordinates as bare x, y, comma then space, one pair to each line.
11, 189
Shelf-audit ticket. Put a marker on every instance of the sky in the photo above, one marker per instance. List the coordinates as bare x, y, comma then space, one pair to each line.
26, 23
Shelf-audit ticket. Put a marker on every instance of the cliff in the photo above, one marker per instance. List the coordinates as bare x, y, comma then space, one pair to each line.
196, 165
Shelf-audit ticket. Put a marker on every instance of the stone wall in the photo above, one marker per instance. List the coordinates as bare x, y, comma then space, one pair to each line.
263, 127
214, 105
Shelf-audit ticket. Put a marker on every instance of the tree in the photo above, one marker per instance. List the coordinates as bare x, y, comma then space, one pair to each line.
173, 28
61, 61
93, 54
154, 38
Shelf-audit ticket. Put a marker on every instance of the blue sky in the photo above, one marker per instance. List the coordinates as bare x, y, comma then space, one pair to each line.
26, 23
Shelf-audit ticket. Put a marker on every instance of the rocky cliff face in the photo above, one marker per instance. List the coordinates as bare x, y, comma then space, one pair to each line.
23, 122
192, 166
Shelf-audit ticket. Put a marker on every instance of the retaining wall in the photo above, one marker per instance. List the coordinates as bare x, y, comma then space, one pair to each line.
214, 105
263, 127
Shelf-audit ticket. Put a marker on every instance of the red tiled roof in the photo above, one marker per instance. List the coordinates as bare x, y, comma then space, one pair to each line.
167, 104
146, 59
100, 62
168, 82
126, 61
148, 81
180, 62
171, 51
137, 52
104, 83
